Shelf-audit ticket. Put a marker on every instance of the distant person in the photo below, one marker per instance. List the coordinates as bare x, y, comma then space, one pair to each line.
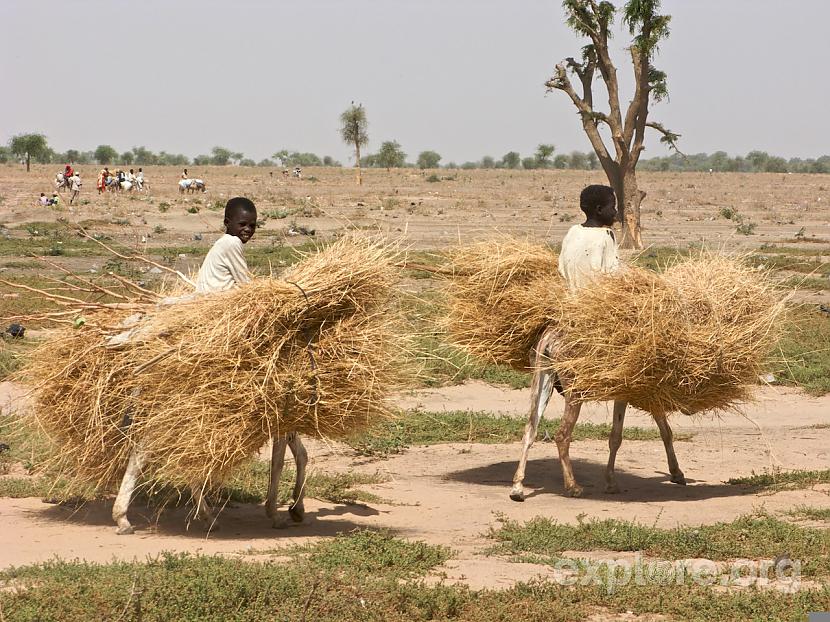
54, 201
184, 174
68, 171
139, 179
43, 200
75, 187
103, 176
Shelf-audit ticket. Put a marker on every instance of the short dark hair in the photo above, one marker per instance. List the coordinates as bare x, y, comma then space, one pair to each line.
594, 196
239, 204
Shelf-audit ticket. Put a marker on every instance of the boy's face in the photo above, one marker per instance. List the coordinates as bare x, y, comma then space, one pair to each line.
606, 213
241, 224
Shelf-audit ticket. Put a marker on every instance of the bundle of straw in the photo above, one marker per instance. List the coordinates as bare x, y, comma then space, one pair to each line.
690, 340
501, 297
205, 383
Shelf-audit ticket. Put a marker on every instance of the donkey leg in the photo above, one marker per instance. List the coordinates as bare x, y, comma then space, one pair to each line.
540, 392
203, 511
125, 492
614, 442
297, 510
278, 446
563, 444
668, 442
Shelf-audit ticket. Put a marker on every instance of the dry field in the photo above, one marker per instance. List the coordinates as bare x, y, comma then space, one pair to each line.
453, 491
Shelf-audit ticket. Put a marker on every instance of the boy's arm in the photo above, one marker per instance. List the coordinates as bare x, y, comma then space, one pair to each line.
237, 265
610, 258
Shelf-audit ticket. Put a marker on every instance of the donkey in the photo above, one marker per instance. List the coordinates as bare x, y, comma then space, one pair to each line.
544, 381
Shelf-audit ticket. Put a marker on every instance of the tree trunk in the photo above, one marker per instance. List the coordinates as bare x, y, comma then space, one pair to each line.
629, 198
27, 162
357, 163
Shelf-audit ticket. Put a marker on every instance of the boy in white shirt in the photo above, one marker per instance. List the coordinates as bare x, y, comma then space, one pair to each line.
75, 186
225, 266
591, 248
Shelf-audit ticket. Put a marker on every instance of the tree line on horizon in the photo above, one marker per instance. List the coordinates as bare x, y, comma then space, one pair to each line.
34, 147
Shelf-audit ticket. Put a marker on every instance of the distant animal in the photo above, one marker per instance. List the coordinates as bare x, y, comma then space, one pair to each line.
191, 186
61, 182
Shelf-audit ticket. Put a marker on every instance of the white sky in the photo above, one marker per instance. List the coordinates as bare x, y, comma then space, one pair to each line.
463, 77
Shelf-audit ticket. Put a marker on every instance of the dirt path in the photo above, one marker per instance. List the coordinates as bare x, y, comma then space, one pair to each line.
451, 494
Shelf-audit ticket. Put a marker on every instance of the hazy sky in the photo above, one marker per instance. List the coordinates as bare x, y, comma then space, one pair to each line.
463, 77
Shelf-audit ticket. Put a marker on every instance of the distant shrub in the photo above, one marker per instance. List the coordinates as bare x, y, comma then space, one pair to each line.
433, 178
164, 206
158, 229
193, 209
728, 212
746, 228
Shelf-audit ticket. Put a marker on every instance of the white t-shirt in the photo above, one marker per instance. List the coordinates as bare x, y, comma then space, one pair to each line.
224, 267
587, 251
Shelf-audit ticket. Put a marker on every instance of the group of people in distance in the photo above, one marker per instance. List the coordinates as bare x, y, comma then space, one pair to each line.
120, 180
68, 178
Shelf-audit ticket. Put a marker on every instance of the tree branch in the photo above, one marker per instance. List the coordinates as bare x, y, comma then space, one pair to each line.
590, 118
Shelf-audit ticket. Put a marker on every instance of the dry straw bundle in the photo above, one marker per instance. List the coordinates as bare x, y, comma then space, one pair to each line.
690, 340
502, 295
205, 382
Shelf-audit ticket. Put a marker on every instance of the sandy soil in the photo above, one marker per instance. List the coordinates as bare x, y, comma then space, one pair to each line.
451, 494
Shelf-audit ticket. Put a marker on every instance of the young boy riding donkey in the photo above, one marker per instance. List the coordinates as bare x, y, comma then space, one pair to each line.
588, 250
224, 268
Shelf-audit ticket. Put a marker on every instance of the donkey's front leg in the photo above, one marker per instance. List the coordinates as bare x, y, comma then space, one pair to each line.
278, 446
125, 492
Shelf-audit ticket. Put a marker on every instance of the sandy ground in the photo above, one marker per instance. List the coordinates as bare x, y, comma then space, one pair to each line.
449, 494
452, 494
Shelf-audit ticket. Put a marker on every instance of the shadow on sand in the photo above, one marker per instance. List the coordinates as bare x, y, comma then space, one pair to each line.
242, 521
543, 476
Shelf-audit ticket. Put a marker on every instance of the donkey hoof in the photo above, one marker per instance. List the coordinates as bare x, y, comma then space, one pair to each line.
612, 489
297, 513
679, 478
517, 494
125, 530
574, 491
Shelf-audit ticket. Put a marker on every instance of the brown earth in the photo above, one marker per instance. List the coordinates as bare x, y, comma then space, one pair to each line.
451, 494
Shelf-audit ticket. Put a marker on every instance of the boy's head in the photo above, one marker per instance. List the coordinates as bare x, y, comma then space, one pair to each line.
599, 204
240, 218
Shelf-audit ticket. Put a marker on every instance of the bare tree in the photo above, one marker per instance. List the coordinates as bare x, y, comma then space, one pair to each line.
354, 131
593, 19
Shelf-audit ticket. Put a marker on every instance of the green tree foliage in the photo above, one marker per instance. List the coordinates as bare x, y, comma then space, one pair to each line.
29, 147
390, 155
753, 162
127, 158
543, 154
296, 158
511, 159
105, 154
561, 161
488, 162
530, 163
221, 156
428, 159
354, 130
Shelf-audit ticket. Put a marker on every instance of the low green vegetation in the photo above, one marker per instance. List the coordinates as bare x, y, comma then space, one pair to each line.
804, 357
805, 512
782, 480
758, 536
362, 575
418, 427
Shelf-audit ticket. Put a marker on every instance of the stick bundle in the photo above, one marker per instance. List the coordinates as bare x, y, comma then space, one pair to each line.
501, 297
204, 383
690, 340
